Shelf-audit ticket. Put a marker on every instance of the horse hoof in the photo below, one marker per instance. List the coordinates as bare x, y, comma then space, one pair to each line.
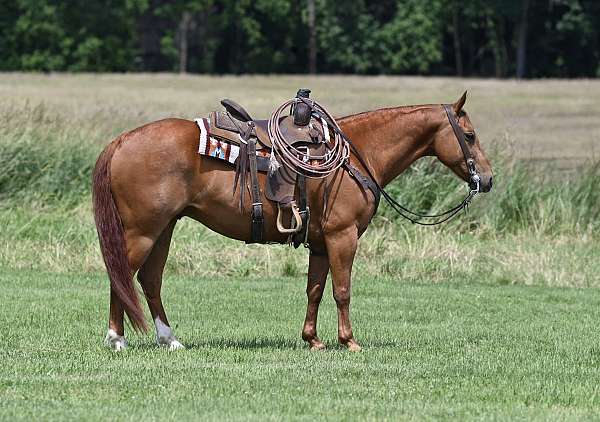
170, 343
317, 345
115, 341
353, 346
175, 345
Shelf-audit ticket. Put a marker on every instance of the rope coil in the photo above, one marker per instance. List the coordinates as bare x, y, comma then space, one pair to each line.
299, 159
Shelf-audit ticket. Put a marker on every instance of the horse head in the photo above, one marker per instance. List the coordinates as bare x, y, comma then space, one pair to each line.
457, 145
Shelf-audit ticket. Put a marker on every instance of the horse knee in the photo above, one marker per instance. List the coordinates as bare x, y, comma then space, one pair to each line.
314, 295
341, 295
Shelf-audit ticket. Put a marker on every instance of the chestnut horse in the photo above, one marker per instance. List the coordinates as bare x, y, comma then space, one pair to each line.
146, 179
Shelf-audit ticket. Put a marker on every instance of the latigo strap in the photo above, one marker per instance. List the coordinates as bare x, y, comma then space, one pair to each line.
257, 210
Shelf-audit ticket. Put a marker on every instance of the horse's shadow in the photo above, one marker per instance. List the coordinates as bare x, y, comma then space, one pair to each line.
267, 343
235, 343
246, 343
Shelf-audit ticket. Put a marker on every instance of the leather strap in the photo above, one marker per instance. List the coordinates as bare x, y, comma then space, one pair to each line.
365, 182
257, 210
301, 237
241, 169
459, 133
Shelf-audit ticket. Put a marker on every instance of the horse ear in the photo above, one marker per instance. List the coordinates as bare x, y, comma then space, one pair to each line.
460, 103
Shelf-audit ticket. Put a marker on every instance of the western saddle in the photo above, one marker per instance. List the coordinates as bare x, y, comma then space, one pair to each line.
301, 130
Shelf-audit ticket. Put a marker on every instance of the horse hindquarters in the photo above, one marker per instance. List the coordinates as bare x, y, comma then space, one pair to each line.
112, 244
141, 183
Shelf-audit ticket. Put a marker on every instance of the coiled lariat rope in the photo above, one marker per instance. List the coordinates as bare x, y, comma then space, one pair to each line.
298, 158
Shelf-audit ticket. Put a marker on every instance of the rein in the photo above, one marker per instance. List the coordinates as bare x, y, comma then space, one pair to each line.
412, 216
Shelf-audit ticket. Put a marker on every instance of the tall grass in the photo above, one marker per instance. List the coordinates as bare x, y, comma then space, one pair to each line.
47, 161
525, 197
537, 226
44, 159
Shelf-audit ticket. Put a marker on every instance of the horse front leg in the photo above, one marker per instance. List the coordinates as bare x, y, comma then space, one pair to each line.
341, 248
318, 267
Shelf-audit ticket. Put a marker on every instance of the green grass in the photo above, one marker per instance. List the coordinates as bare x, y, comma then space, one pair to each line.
63, 240
454, 350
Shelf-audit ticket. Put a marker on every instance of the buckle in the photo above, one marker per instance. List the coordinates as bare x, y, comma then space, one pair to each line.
474, 183
471, 166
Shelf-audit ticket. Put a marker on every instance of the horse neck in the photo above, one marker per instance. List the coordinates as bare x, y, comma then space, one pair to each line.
390, 140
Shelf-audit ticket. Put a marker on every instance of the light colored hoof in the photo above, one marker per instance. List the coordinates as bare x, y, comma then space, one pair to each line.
353, 347
115, 341
165, 336
175, 345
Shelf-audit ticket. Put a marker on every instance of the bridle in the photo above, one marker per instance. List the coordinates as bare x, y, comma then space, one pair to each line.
474, 178
412, 216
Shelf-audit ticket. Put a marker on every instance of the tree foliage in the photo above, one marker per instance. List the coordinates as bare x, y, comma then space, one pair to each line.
538, 38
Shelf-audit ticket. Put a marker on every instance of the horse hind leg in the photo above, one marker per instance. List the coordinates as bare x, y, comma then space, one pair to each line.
115, 337
150, 277
139, 249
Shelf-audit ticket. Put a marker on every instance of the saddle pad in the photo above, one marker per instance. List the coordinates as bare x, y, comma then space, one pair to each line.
214, 147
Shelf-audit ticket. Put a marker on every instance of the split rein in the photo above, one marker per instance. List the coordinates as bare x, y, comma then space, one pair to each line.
341, 159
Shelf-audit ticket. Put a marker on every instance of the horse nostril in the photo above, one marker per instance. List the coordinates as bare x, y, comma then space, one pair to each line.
487, 186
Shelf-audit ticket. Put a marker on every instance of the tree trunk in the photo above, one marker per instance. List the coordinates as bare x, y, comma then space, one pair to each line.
496, 34
522, 41
502, 46
184, 25
148, 28
312, 38
457, 46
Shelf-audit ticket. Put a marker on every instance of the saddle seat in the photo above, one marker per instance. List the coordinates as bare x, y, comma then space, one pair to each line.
223, 125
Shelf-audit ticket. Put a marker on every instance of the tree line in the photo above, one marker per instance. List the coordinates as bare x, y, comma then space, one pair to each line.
499, 38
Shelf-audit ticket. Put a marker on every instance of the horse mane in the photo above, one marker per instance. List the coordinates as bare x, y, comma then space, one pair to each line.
404, 109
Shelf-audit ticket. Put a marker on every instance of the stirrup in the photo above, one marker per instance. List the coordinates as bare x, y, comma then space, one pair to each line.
295, 227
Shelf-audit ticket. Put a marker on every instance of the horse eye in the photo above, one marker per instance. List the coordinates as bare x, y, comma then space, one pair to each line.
470, 137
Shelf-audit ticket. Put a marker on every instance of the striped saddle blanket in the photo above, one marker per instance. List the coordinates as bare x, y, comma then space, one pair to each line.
219, 148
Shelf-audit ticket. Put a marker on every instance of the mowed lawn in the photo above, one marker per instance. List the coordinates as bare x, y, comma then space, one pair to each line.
431, 351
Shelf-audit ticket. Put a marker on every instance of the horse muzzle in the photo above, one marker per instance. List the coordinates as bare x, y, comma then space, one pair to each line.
485, 184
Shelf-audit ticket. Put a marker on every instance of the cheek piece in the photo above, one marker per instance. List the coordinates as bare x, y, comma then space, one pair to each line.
474, 177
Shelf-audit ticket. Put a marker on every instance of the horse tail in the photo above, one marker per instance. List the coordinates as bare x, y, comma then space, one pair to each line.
112, 238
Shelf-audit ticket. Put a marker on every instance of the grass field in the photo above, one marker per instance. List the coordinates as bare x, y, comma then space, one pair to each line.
493, 316
456, 350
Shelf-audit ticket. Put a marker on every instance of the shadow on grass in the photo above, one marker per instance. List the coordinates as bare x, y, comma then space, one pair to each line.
265, 343
246, 343
231, 343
